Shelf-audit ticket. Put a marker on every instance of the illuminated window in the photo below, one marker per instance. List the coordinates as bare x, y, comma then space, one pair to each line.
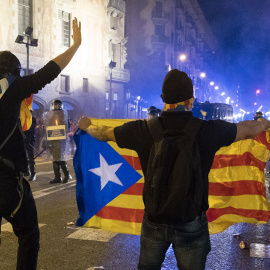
85, 85
64, 27
107, 96
107, 105
65, 83
25, 14
115, 96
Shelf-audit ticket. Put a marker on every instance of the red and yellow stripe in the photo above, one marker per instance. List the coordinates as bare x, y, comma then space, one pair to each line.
25, 114
237, 184
236, 188
187, 103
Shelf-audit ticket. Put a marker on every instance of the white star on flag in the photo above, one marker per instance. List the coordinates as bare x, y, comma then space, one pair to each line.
107, 172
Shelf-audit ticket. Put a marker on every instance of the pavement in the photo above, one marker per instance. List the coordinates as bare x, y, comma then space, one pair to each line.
65, 246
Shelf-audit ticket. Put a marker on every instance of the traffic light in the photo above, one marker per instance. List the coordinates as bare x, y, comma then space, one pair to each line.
258, 91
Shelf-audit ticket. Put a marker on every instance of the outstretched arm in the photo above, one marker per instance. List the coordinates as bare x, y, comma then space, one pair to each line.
250, 129
101, 133
63, 59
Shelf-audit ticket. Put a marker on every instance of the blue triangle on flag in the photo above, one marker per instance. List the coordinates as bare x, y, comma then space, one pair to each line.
95, 186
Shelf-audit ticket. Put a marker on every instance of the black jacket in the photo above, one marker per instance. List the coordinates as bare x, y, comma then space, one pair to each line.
10, 102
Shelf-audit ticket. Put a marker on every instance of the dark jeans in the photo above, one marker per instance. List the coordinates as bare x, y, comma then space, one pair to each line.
190, 242
24, 222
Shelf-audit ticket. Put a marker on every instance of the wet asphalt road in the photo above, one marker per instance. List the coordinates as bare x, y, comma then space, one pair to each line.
63, 245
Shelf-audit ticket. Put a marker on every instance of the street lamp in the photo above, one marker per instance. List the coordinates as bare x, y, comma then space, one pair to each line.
111, 66
202, 75
182, 58
30, 42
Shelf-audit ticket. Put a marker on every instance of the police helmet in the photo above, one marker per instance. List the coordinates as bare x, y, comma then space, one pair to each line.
9, 64
56, 105
151, 108
258, 115
152, 112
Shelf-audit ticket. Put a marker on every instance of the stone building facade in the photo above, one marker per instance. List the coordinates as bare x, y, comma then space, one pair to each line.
89, 85
159, 32
127, 48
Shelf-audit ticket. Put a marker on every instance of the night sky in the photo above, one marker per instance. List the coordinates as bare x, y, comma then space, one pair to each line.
242, 29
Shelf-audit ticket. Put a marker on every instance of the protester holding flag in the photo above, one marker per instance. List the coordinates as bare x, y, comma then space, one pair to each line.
190, 240
16, 200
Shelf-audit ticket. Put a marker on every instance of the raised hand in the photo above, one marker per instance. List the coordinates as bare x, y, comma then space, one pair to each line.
77, 37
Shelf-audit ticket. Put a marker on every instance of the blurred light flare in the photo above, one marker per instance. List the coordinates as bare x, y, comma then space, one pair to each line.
227, 100
203, 75
182, 57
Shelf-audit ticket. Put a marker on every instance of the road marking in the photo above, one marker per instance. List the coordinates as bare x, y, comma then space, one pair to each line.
44, 162
92, 234
43, 173
50, 190
7, 227
259, 250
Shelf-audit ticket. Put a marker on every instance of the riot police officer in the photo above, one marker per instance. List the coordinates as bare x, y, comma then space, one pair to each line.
258, 115
152, 112
57, 147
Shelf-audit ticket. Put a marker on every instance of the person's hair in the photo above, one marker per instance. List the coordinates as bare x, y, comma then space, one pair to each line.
9, 64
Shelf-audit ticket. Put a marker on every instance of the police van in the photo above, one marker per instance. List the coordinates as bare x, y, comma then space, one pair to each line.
213, 111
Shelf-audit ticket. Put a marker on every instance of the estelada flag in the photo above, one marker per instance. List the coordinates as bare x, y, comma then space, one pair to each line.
237, 184
110, 183
25, 113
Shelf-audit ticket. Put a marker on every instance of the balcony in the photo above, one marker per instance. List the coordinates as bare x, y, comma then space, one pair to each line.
119, 5
189, 41
179, 47
118, 74
160, 41
179, 26
160, 17
179, 5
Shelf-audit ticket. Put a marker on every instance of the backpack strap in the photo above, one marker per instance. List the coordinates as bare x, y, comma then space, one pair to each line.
155, 128
7, 138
